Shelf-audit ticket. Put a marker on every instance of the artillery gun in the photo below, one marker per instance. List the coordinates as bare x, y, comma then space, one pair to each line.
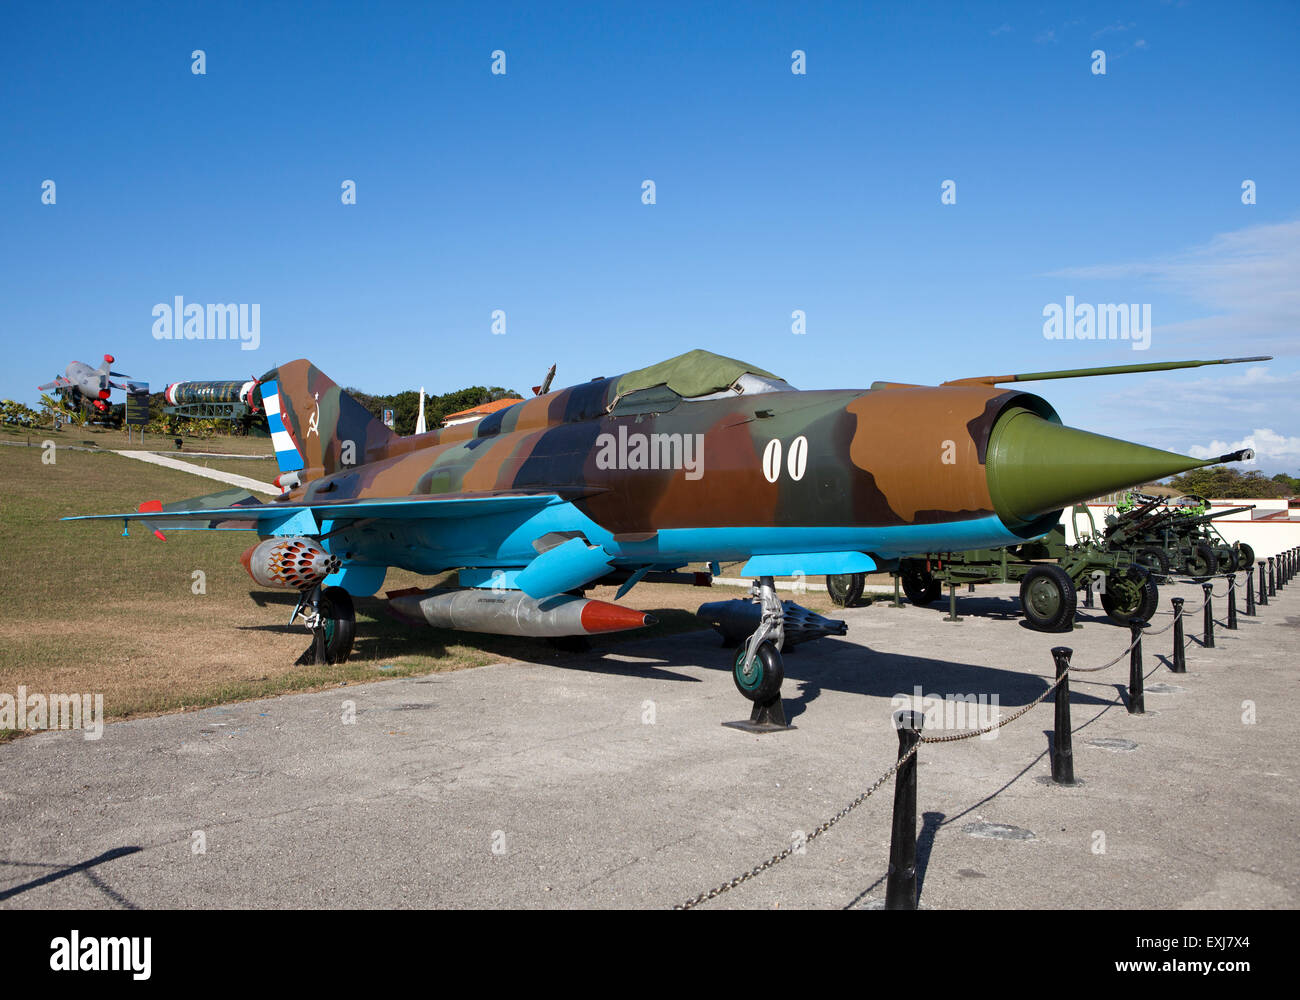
1050, 571
1176, 535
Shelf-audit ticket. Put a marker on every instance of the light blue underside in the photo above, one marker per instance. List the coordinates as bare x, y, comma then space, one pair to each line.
437, 535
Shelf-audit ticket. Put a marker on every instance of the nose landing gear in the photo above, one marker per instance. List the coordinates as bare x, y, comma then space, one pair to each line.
758, 670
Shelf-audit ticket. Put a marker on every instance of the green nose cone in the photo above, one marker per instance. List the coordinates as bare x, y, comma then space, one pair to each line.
1035, 466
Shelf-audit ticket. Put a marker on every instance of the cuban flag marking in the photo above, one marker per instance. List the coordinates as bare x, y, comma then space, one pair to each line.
287, 455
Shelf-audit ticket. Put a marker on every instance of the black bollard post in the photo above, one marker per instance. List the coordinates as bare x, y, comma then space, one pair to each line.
1263, 591
1208, 640
1062, 747
900, 888
1232, 601
1272, 587
1180, 652
1136, 700
1250, 591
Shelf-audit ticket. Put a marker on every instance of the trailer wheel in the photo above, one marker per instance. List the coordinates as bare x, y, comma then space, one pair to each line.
1202, 563
919, 585
1154, 561
846, 588
1245, 557
1048, 599
1131, 595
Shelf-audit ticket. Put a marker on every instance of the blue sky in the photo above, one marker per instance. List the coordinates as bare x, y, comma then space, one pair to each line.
775, 192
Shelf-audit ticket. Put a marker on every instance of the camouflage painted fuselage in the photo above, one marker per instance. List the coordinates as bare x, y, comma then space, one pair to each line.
656, 479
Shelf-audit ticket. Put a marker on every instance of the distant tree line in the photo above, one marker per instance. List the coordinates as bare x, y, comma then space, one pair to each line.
406, 405
1223, 481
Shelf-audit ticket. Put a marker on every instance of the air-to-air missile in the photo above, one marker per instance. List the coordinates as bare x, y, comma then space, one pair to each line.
93, 384
700, 458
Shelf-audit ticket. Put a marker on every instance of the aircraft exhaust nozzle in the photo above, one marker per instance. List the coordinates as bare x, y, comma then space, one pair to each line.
1035, 466
512, 612
289, 562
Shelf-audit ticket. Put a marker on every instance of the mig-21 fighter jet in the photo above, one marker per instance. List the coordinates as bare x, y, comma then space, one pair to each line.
698, 459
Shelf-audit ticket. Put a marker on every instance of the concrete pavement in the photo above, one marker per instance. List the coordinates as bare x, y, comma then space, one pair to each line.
611, 783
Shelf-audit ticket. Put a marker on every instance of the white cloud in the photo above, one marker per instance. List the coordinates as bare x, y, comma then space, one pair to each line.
1247, 281
1001, 29
1271, 448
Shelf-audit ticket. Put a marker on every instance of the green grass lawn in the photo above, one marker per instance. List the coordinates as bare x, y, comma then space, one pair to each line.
87, 610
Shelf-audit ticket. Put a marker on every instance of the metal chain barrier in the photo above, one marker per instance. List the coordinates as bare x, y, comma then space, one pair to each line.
1186, 611
776, 859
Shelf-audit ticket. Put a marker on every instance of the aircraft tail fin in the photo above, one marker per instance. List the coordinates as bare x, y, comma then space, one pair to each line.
316, 428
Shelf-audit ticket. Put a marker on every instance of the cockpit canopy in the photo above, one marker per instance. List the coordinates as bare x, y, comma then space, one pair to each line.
693, 376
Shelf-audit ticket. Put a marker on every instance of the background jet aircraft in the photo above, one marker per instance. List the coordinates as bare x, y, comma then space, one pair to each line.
92, 384
701, 458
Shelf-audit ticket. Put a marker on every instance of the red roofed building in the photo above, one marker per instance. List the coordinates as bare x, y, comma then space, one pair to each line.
476, 413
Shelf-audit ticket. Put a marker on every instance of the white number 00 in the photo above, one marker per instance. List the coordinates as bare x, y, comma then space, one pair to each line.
796, 459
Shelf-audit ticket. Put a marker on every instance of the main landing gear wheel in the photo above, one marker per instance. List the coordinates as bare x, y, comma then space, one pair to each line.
846, 588
333, 623
1131, 595
1048, 599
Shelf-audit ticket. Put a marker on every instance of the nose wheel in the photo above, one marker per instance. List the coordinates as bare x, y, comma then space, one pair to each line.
758, 669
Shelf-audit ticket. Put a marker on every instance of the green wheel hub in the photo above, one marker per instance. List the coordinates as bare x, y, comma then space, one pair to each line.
1045, 597
1125, 592
749, 675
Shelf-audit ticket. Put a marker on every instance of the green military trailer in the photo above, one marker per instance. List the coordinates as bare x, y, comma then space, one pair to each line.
1050, 573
